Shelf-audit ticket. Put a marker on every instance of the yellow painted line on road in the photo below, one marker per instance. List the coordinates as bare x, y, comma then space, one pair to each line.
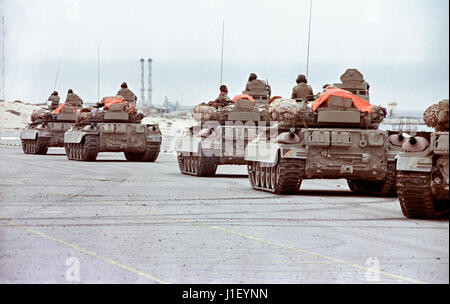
279, 245
86, 251
13, 181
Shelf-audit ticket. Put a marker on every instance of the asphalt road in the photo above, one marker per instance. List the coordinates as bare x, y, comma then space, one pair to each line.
113, 221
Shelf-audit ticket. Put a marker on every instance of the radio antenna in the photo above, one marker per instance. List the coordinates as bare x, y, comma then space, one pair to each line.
57, 73
3, 59
221, 60
309, 39
98, 72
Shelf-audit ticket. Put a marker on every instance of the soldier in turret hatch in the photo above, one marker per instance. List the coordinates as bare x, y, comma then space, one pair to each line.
254, 84
223, 96
73, 99
127, 94
302, 90
53, 101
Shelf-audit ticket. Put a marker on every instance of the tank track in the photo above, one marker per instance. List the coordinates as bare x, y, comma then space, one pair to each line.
414, 193
84, 151
150, 155
152, 152
386, 188
285, 177
389, 187
35, 146
198, 165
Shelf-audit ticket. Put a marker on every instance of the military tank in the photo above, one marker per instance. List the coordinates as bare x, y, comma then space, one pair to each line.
116, 128
221, 135
47, 129
423, 171
336, 139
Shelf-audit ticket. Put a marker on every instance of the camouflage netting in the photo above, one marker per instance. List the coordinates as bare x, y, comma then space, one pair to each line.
289, 111
431, 115
284, 110
203, 112
41, 114
264, 111
133, 112
219, 110
88, 115
219, 103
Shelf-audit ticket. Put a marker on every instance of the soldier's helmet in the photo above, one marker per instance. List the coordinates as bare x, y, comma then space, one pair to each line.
223, 88
301, 78
70, 91
124, 85
252, 77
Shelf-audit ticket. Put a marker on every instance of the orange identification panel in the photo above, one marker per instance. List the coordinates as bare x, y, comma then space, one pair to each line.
273, 98
58, 109
113, 100
243, 96
359, 103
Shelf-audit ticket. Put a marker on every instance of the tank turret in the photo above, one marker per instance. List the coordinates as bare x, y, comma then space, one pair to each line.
334, 137
353, 81
47, 129
115, 128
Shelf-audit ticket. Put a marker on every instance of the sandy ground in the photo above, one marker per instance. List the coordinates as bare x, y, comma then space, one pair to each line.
15, 115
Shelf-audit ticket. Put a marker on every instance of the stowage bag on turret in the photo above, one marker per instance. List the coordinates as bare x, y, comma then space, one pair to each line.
41, 114
431, 115
284, 110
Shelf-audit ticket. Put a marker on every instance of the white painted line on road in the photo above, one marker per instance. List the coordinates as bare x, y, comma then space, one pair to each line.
86, 251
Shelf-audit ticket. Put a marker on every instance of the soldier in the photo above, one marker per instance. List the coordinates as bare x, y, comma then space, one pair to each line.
54, 101
73, 99
223, 96
126, 93
302, 90
254, 84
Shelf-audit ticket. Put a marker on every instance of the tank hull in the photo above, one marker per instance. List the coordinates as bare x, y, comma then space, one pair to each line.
139, 142
364, 157
44, 135
224, 146
423, 179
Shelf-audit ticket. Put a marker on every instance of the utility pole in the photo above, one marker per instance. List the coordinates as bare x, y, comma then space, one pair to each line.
142, 103
221, 60
150, 89
98, 72
3, 59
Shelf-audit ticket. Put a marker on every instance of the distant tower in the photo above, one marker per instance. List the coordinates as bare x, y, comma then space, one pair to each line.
150, 89
142, 101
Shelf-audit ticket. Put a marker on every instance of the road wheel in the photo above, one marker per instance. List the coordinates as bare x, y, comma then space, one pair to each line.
151, 152
268, 174
384, 188
90, 148
41, 145
415, 196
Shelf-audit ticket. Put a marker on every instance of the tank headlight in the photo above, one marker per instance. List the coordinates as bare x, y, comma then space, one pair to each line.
91, 127
415, 144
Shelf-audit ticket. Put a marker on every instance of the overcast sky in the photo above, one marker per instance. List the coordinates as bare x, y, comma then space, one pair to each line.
401, 46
